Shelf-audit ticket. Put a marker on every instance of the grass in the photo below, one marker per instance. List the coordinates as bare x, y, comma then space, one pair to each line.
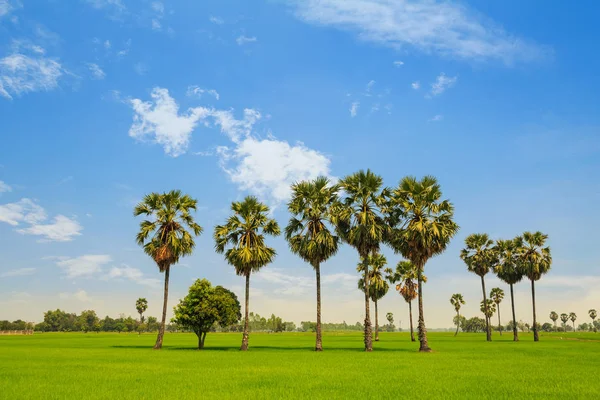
119, 366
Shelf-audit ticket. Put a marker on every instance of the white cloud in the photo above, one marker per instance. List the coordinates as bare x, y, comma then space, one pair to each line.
370, 85
398, 64
4, 187
63, 229
18, 272
415, 85
449, 29
442, 83
107, 44
287, 284
156, 25
96, 71
21, 73
216, 20
132, 274
8, 6
23, 211
436, 118
158, 7
354, 108
83, 266
242, 40
198, 92
80, 295
234, 128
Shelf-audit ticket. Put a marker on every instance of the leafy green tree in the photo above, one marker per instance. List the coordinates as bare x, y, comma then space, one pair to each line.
141, 305
87, 320
535, 261
204, 306
554, 317
593, 314
164, 236
152, 323
457, 302
390, 318
308, 233
564, 318
573, 317
507, 270
423, 226
497, 295
480, 257
488, 308
378, 287
406, 276
360, 223
242, 240
474, 325
547, 327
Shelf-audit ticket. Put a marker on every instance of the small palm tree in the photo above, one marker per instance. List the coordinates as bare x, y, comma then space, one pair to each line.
242, 240
457, 301
573, 317
423, 226
480, 257
535, 261
554, 318
497, 295
141, 305
406, 275
307, 232
378, 287
359, 222
390, 317
164, 236
507, 270
564, 318
488, 308
593, 314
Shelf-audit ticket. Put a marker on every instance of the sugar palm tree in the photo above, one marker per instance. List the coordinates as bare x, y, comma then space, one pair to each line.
593, 314
507, 270
422, 228
308, 233
535, 261
564, 318
497, 295
488, 308
480, 256
573, 317
378, 287
457, 301
554, 317
164, 236
141, 305
242, 240
359, 222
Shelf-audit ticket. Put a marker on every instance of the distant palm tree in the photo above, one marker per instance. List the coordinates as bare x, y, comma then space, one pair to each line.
360, 223
164, 236
480, 256
564, 318
554, 317
573, 317
423, 226
497, 295
593, 314
308, 233
242, 239
488, 308
390, 317
141, 305
535, 261
507, 270
457, 301
378, 287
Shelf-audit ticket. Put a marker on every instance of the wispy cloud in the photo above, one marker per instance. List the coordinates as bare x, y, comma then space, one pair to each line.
415, 85
216, 20
96, 71
354, 108
242, 40
4, 187
83, 266
80, 295
398, 64
22, 73
8, 6
18, 272
436, 118
125, 272
198, 92
441, 84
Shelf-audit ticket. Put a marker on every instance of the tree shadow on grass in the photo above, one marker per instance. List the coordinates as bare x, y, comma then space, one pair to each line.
268, 348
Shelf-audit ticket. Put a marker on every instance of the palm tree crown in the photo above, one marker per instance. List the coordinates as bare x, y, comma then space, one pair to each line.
478, 254
593, 314
534, 259
491, 308
506, 262
457, 301
378, 287
497, 294
553, 316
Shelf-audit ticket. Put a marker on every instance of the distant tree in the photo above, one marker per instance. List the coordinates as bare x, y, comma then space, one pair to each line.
573, 317
378, 287
87, 320
164, 236
564, 318
275, 324
390, 317
488, 309
497, 295
593, 314
547, 327
204, 306
152, 323
406, 275
474, 325
554, 318
507, 269
457, 301
141, 305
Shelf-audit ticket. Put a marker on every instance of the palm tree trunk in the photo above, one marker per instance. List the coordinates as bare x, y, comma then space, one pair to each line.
245, 337
512, 302
536, 337
457, 322
424, 346
319, 345
412, 332
573, 326
499, 323
485, 307
376, 323
161, 329
368, 331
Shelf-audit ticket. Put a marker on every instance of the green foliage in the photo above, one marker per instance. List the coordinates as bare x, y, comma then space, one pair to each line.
506, 265
87, 321
534, 259
141, 305
478, 254
474, 324
496, 295
378, 287
405, 276
457, 301
490, 310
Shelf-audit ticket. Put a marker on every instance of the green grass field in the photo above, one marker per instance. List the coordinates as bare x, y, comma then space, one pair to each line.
119, 366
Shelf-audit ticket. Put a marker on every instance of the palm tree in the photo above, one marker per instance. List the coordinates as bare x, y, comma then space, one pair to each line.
480, 257
497, 295
564, 318
507, 270
457, 301
488, 308
573, 317
359, 223
307, 232
554, 317
593, 314
406, 275
378, 287
535, 261
164, 236
242, 240
423, 227
141, 305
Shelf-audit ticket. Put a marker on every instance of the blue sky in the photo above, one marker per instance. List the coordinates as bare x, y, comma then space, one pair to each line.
102, 101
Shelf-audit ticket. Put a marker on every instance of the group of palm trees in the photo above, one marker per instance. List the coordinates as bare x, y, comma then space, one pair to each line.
573, 317
411, 218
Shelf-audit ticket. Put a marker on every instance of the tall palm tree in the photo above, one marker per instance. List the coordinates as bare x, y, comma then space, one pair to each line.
564, 318
488, 308
242, 240
593, 314
378, 287
141, 305
535, 261
480, 256
307, 232
457, 301
164, 236
423, 227
359, 222
406, 275
497, 295
573, 317
554, 317
507, 270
